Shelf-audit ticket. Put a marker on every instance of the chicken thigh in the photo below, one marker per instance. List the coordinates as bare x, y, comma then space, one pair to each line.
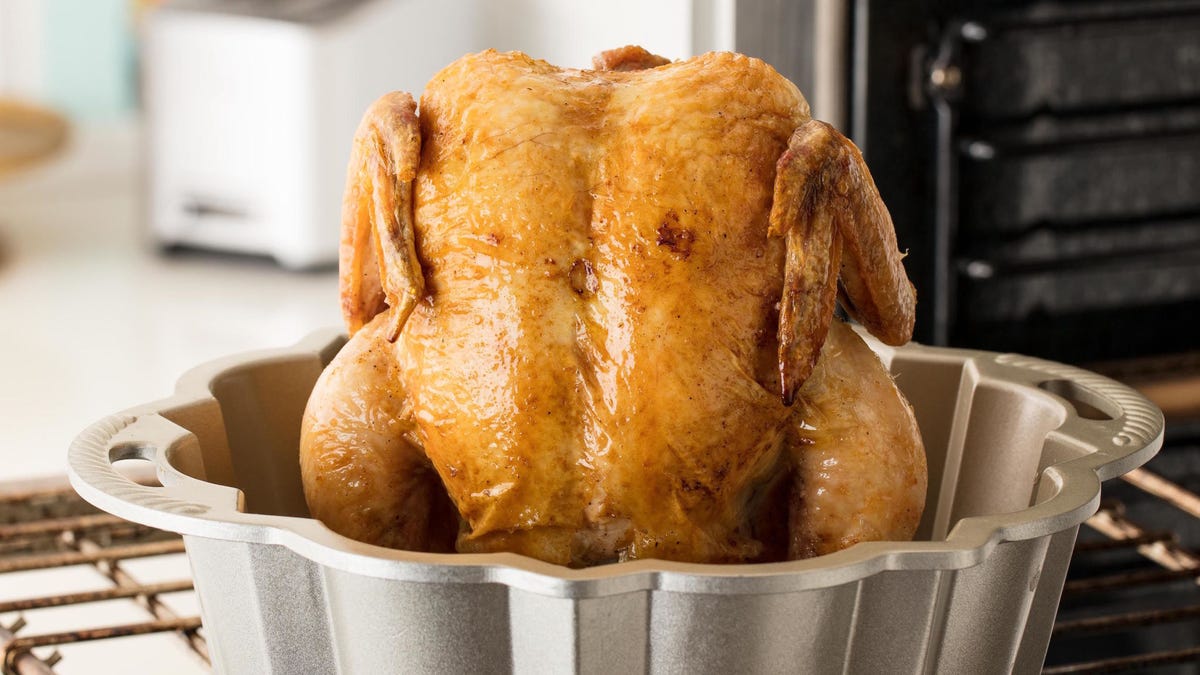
592, 320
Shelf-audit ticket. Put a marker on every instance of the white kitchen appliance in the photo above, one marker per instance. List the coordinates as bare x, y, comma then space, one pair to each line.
251, 107
252, 104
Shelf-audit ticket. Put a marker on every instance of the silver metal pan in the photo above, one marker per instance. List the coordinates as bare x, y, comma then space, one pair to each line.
1017, 449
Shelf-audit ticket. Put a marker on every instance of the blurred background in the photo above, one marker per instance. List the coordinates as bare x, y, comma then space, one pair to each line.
171, 172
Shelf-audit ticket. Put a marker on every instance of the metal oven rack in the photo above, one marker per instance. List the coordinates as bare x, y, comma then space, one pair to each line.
43, 528
46, 527
1127, 578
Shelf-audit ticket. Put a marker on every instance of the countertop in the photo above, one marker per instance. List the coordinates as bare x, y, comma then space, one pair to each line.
95, 319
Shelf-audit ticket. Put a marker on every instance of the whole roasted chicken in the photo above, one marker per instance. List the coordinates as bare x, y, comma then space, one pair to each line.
592, 318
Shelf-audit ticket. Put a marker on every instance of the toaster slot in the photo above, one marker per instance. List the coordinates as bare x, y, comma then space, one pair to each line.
204, 207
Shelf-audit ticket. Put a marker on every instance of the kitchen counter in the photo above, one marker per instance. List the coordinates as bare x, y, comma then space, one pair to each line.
95, 319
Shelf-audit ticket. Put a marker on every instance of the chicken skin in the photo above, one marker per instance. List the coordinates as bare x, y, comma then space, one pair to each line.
592, 320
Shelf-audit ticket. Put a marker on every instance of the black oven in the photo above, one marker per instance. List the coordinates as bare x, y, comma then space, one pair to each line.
1041, 161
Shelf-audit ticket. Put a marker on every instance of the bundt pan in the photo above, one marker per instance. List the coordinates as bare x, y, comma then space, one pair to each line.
1017, 450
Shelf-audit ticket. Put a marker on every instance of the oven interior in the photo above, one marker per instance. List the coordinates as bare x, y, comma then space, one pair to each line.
1041, 160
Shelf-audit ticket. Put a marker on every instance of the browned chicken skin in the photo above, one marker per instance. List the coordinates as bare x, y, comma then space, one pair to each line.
582, 303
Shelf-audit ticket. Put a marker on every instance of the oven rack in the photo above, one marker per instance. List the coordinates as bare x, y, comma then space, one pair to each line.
46, 527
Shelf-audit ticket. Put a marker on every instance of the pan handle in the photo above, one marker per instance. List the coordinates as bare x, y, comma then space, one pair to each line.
1120, 427
147, 436
1107, 430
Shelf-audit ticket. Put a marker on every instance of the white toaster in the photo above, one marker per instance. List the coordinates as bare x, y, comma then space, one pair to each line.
251, 106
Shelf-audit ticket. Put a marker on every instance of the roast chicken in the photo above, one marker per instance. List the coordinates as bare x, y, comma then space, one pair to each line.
592, 318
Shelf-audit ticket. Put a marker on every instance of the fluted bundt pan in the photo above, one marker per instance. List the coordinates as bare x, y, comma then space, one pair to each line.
1017, 450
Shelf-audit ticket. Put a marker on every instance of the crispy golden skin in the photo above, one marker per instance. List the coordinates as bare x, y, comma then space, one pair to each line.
859, 462
581, 343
